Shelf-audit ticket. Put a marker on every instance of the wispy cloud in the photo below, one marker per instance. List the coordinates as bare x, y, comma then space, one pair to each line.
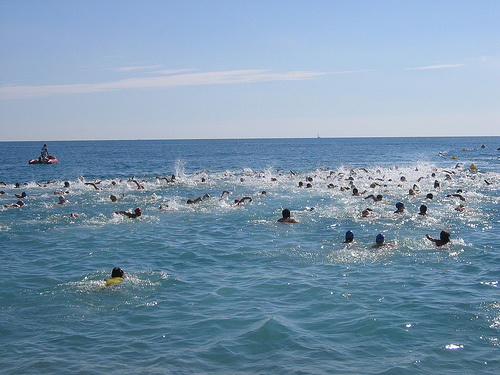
135, 68
191, 79
437, 67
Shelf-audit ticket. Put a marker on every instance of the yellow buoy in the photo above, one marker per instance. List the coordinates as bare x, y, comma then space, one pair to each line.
464, 149
454, 157
472, 166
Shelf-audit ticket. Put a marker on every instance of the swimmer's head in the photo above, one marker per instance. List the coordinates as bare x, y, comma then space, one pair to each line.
380, 238
112, 197
138, 211
117, 272
349, 236
400, 205
445, 236
423, 209
21, 203
429, 196
23, 194
61, 199
286, 213
379, 197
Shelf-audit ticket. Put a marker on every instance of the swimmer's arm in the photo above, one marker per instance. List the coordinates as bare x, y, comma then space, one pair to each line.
431, 239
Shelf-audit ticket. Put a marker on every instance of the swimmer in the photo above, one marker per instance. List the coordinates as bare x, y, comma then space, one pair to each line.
116, 276
367, 212
73, 214
412, 192
113, 198
437, 185
224, 194
60, 192
286, 217
193, 201
379, 241
356, 193
423, 210
460, 208
377, 198
14, 205
139, 186
137, 213
62, 200
22, 195
400, 208
429, 196
349, 237
241, 201
444, 238
94, 184
456, 195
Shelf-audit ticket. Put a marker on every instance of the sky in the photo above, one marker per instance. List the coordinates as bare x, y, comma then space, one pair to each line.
216, 69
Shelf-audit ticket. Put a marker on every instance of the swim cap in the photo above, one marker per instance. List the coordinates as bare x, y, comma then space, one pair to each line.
117, 272
21, 203
61, 199
112, 197
349, 235
138, 211
380, 238
399, 205
23, 194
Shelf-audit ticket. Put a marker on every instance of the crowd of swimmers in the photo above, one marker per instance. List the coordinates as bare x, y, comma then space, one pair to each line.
286, 215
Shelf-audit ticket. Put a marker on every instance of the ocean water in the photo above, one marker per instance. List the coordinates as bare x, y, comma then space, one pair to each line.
219, 288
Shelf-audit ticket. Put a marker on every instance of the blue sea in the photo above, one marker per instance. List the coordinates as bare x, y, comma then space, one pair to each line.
220, 288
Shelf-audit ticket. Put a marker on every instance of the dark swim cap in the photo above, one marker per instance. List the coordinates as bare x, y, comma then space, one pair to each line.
380, 238
117, 272
349, 235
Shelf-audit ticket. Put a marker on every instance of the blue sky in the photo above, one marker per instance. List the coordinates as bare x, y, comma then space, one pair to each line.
78, 70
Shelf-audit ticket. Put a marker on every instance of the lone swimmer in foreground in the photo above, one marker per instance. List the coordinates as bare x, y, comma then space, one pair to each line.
116, 276
286, 217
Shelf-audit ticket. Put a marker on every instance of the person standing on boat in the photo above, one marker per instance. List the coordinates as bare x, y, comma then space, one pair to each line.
45, 152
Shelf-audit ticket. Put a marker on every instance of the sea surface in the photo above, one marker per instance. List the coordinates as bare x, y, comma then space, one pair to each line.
221, 288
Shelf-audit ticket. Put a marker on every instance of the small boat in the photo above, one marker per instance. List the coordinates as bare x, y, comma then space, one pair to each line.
51, 159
